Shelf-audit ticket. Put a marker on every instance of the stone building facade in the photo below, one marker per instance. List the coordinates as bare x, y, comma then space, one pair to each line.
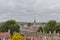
42, 36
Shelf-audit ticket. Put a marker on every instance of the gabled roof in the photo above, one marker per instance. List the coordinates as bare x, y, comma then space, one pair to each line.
5, 34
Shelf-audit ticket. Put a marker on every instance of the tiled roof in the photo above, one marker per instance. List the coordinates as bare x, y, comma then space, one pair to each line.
5, 34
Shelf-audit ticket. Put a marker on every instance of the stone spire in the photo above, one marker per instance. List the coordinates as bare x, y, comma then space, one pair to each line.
34, 21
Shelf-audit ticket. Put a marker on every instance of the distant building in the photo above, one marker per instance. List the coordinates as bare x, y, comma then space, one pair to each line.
33, 27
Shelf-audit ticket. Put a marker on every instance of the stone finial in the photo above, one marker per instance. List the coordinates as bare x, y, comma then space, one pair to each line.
49, 32
9, 30
54, 32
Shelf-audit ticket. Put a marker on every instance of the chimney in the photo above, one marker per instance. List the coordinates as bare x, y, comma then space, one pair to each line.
9, 30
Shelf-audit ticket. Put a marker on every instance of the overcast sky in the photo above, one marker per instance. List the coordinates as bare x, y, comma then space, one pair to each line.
26, 10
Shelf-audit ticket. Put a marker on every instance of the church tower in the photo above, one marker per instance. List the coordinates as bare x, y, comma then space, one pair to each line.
34, 21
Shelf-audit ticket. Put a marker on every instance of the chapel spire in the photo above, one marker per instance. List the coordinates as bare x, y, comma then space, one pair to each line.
34, 20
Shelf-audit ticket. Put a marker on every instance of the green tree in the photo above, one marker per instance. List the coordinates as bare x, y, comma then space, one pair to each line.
50, 26
10, 24
40, 29
17, 36
29, 24
58, 28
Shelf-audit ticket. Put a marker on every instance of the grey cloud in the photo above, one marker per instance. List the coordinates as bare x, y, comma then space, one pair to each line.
43, 10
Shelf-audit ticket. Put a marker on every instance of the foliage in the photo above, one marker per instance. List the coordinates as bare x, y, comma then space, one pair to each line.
17, 36
58, 28
10, 24
29, 24
52, 23
40, 29
50, 26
